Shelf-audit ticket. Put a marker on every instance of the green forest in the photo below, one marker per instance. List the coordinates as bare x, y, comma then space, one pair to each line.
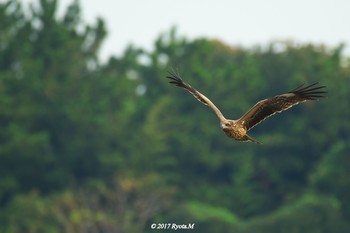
88, 146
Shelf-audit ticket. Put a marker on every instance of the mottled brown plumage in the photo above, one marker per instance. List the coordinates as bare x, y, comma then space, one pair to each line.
237, 129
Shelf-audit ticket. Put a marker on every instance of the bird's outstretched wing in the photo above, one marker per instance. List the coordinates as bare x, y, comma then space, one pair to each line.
176, 80
267, 107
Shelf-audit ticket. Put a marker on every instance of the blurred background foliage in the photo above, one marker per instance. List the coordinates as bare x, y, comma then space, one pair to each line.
92, 147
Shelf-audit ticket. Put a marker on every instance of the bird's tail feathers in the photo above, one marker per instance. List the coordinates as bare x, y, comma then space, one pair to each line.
250, 139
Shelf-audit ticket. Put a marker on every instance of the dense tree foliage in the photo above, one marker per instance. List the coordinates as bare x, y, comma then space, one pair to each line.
91, 147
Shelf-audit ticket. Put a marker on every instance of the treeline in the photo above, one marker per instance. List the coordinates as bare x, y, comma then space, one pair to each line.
93, 147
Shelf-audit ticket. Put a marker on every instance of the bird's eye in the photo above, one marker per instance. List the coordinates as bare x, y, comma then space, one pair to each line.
227, 124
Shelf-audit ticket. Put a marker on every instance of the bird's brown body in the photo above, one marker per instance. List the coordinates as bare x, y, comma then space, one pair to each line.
235, 129
238, 129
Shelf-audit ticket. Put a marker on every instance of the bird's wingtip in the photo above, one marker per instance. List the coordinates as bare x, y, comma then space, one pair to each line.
175, 77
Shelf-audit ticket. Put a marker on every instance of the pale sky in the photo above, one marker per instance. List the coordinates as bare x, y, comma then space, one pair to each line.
244, 22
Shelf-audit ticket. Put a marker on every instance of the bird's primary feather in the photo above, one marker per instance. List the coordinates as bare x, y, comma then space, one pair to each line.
176, 80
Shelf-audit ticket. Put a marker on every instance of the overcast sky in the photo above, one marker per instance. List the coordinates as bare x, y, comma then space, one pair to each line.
244, 22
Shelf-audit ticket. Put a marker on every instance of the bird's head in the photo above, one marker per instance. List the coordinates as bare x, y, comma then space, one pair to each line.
226, 124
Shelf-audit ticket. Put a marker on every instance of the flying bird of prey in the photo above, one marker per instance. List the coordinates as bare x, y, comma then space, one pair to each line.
238, 129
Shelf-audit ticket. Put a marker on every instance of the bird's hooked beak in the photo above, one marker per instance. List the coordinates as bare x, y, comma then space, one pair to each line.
223, 125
